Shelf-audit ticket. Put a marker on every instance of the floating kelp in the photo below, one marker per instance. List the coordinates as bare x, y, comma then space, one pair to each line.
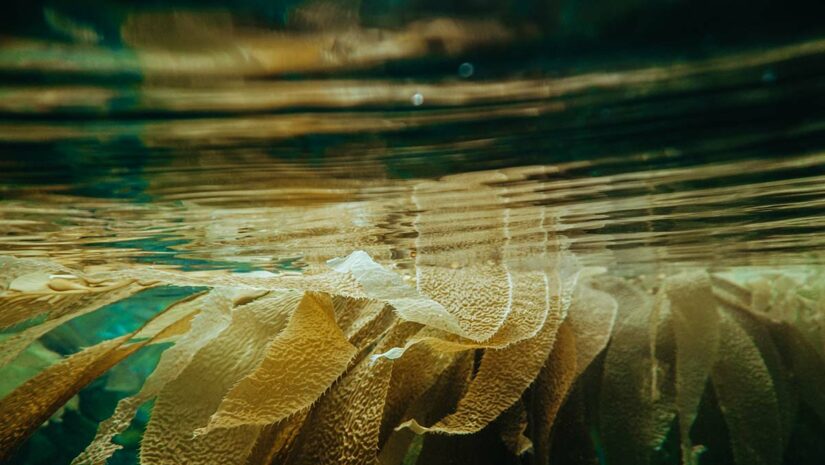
314, 232
265, 374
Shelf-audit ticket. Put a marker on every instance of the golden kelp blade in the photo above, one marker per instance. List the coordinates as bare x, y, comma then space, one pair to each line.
59, 300
535, 298
212, 318
746, 396
581, 338
345, 423
512, 426
412, 376
696, 329
551, 388
502, 377
298, 367
32, 403
806, 363
381, 284
187, 402
592, 317
468, 261
439, 400
637, 399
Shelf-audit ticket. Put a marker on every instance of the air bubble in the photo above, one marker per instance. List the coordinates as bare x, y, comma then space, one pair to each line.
466, 70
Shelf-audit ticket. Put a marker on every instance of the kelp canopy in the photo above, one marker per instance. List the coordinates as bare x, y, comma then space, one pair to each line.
496, 348
323, 232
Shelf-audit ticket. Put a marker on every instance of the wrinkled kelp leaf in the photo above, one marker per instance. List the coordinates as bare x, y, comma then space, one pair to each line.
746, 396
502, 377
637, 399
36, 400
592, 316
57, 303
512, 427
436, 401
212, 318
298, 367
551, 388
412, 376
345, 424
344, 364
696, 329
187, 402
787, 396
806, 363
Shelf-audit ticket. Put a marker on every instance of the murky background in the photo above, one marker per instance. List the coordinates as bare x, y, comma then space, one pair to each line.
270, 136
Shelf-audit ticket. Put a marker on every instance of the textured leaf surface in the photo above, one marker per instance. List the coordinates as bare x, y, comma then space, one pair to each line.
502, 377
299, 365
32, 403
213, 317
551, 388
746, 396
696, 329
187, 402
637, 400
592, 317
345, 423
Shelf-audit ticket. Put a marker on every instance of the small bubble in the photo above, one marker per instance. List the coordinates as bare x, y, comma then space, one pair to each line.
466, 70
417, 99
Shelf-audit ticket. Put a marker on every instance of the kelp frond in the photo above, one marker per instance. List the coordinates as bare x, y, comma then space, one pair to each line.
483, 361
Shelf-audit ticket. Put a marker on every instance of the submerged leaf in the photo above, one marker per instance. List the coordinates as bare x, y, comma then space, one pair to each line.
32, 403
58, 307
696, 329
299, 365
28, 406
786, 395
746, 395
551, 388
502, 377
807, 365
592, 317
212, 318
512, 426
188, 401
637, 402
345, 424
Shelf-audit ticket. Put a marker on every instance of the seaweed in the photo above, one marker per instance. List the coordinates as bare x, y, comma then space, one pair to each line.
355, 365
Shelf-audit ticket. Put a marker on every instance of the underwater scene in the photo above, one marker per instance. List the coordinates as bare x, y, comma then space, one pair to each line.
412, 232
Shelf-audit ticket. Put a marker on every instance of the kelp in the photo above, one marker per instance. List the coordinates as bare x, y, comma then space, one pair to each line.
289, 377
360, 363
23, 412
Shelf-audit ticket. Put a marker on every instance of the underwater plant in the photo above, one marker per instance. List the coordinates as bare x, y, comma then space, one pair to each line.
502, 356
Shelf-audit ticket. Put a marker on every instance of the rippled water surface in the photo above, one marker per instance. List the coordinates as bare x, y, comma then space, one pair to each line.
718, 160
